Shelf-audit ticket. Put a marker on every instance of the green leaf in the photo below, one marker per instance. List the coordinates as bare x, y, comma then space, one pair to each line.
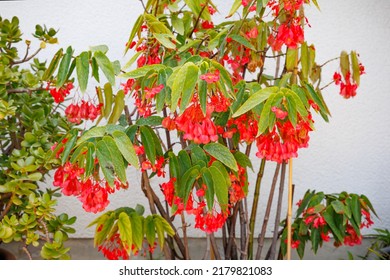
184, 85
140, 72
292, 110
125, 231
95, 69
105, 224
187, 182
319, 100
136, 28
220, 187
225, 81
242, 41
315, 239
197, 154
118, 107
107, 100
95, 132
356, 209
236, 5
338, 206
202, 88
255, 99
344, 63
355, 67
126, 148
137, 229
328, 216
90, 164
265, 113
150, 121
223, 154
69, 146
101, 48
110, 160
243, 160
150, 230
35, 176
291, 59
64, 67
82, 69
53, 65
106, 66
299, 106
148, 142
184, 161
316, 4
305, 61
208, 181
160, 231
165, 40
177, 24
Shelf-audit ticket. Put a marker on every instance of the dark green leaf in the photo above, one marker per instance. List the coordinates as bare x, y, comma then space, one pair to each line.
150, 121
137, 230
187, 183
338, 206
69, 146
208, 181
220, 187
148, 142
356, 209
223, 154
242, 41
150, 230
328, 216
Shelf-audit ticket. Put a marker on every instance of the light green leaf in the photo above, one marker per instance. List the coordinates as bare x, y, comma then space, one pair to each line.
242, 41
255, 99
140, 72
150, 230
53, 65
95, 132
137, 229
184, 85
82, 69
165, 40
236, 5
106, 66
223, 154
101, 48
126, 148
125, 231
118, 107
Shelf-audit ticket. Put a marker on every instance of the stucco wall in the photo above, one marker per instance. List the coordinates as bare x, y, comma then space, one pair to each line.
350, 153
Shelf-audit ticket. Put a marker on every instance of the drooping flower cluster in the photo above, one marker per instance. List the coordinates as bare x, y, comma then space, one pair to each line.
114, 248
76, 112
290, 32
348, 86
283, 142
92, 193
59, 94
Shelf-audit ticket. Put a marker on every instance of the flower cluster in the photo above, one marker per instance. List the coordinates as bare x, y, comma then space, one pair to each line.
76, 112
348, 86
114, 248
92, 193
283, 142
59, 94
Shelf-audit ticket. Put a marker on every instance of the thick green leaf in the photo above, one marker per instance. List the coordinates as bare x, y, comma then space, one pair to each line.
106, 66
315, 239
95, 69
223, 154
107, 100
226, 84
184, 85
266, 112
177, 24
82, 69
255, 99
148, 143
110, 160
300, 107
338, 206
197, 154
220, 187
150, 121
125, 231
243, 160
292, 110
184, 161
126, 148
64, 67
118, 107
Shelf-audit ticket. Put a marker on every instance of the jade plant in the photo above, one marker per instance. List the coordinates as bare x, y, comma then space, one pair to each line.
199, 102
30, 123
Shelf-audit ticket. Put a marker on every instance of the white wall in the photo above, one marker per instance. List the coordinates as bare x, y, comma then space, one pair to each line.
350, 153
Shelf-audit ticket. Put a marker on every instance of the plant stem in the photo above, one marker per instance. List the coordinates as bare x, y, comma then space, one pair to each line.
289, 208
278, 213
252, 221
243, 229
267, 213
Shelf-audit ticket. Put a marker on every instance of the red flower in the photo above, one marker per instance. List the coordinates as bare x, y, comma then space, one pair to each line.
325, 237
253, 33
279, 113
210, 77
207, 24
151, 93
337, 78
60, 94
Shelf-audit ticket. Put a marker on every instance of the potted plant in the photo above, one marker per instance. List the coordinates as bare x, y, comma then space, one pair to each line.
29, 126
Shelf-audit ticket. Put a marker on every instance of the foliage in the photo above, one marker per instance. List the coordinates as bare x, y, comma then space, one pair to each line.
204, 104
29, 125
